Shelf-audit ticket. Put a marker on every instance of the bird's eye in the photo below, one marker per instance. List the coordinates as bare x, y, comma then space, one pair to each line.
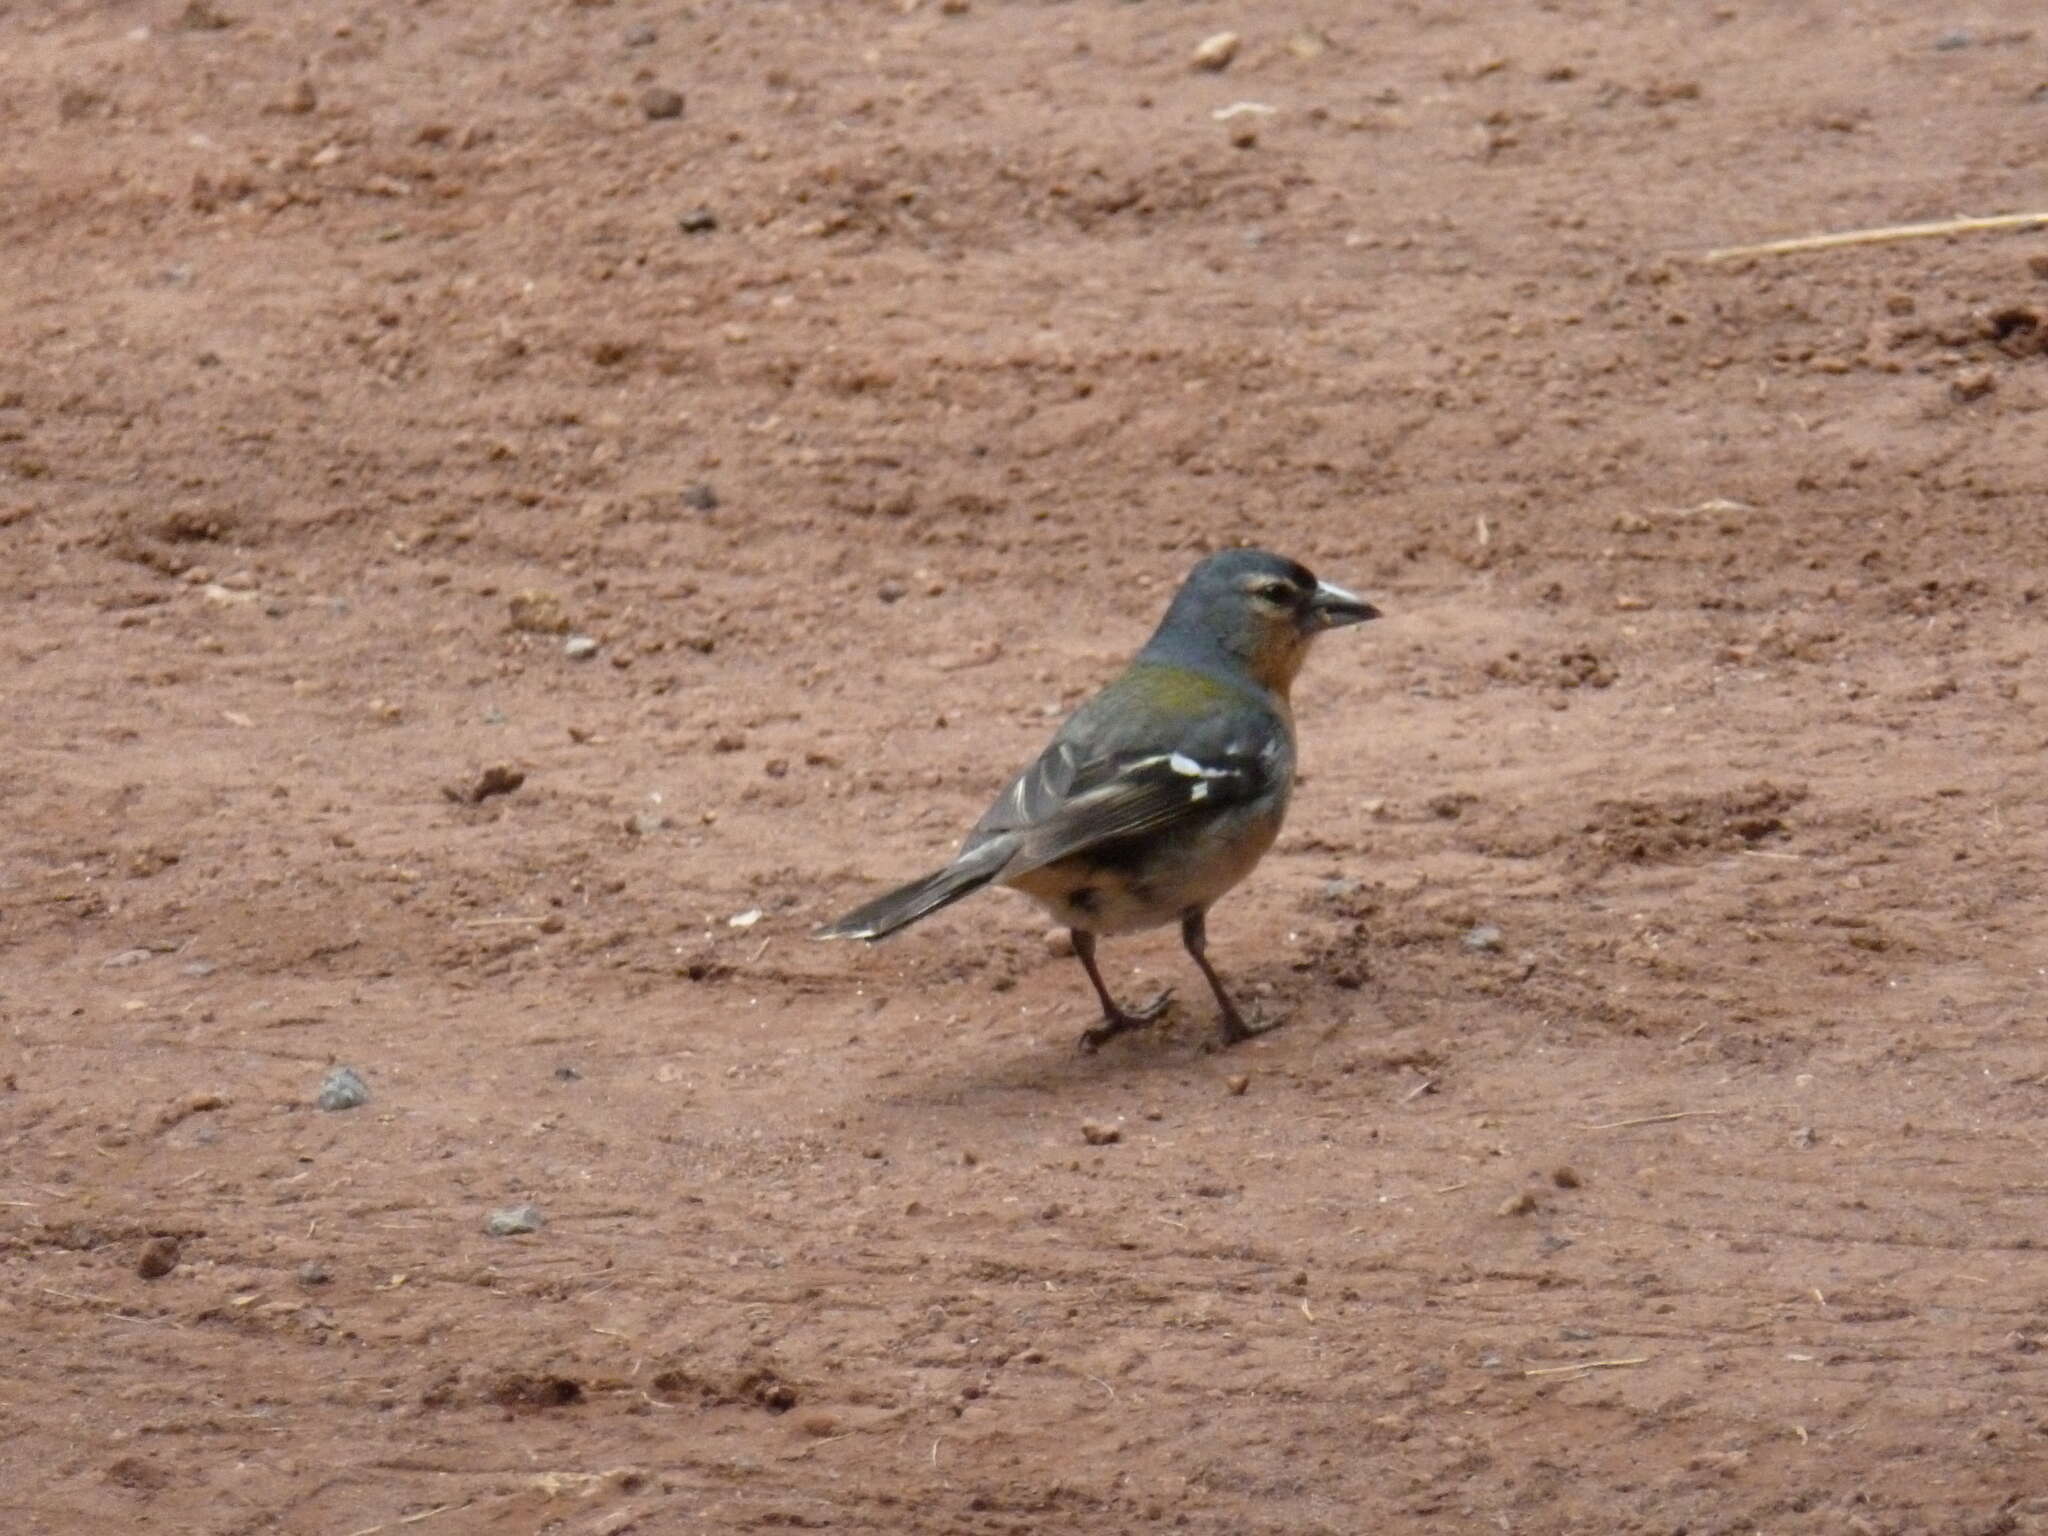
1276, 592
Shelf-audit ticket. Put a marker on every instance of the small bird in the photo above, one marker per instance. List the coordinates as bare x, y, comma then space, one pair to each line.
1163, 790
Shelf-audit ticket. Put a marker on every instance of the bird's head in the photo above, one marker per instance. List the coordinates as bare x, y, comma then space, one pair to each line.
1260, 610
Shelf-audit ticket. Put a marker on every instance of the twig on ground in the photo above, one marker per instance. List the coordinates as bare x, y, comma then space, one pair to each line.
1584, 1365
1878, 235
1676, 1114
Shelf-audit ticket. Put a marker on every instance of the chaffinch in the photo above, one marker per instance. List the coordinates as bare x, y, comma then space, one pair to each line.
1163, 790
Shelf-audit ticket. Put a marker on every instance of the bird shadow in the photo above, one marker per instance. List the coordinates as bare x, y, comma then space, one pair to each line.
1051, 1062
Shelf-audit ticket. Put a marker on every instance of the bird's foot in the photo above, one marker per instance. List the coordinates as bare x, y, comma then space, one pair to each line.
1115, 1021
1234, 1028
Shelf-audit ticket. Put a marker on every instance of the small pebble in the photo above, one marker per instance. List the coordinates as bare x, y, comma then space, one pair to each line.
1216, 52
1518, 1205
566, 1074
579, 647
659, 102
1100, 1135
343, 1088
701, 498
642, 36
1059, 943
1565, 1177
1237, 1083
514, 1219
158, 1258
698, 221
1483, 939
313, 1272
1973, 385
892, 591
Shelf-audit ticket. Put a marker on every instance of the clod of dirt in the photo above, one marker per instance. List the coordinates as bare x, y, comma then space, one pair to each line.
1216, 51
1237, 1083
701, 497
136, 1473
1483, 939
1100, 1135
642, 36
1650, 831
1565, 1177
513, 1220
1973, 385
1520, 1204
343, 1088
524, 1389
313, 1272
498, 780
158, 1258
659, 103
748, 1380
536, 612
2018, 330
198, 1104
198, 16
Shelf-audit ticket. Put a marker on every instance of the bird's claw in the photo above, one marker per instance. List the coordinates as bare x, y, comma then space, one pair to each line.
1123, 1019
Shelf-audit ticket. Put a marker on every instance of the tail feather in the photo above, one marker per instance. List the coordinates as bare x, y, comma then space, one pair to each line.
906, 904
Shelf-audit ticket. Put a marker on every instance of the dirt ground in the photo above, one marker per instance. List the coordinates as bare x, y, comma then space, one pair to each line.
1656, 1140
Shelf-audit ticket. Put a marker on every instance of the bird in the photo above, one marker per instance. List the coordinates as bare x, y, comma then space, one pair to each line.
1162, 791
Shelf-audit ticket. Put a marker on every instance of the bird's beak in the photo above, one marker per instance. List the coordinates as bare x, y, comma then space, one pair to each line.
1333, 607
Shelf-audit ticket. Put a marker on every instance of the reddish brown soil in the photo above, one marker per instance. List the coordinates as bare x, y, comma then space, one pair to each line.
1712, 1199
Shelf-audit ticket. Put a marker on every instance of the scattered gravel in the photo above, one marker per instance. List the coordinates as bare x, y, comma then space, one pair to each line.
659, 103
514, 1219
1483, 939
158, 1258
343, 1088
1216, 52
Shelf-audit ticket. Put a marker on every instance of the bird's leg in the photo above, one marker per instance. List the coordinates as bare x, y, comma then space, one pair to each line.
1194, 934
1115, 1020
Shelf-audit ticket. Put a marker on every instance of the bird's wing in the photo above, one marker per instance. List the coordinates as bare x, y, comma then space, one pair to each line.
1141, 795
